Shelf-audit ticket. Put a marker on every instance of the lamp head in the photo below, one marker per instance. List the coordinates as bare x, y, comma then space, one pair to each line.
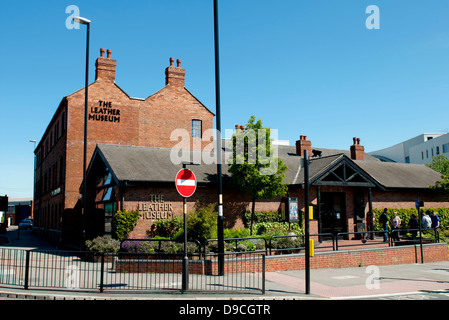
81, 20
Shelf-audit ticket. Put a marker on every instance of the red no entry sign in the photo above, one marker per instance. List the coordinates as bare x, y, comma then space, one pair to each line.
185, 182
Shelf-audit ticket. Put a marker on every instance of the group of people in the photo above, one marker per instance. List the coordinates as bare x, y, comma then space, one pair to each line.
429, 220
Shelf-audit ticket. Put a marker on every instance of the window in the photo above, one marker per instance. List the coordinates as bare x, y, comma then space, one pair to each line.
196, 128
407, 159
427, 153
438, 150
422, 155
445, 147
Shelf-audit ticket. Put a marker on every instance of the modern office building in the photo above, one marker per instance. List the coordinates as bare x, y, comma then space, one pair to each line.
420, 149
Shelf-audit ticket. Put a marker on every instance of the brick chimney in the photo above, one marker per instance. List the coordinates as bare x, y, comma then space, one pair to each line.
105, 67
357, 150
175, 76
303, 144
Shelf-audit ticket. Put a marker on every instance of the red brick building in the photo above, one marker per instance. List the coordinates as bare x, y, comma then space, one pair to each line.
130, 143
344, 185
114, 118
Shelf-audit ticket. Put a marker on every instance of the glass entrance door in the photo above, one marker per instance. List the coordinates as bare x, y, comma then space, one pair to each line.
333, 212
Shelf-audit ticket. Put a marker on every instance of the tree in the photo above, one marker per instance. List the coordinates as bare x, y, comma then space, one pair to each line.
440, 163
255, 168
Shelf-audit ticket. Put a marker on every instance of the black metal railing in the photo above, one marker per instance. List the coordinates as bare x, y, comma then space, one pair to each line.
412, 236
102, 271
256, 245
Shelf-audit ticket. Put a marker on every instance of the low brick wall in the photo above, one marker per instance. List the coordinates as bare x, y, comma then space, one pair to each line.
332, 259
362, 257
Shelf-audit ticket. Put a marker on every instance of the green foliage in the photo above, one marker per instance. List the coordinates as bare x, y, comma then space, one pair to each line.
202, 223
440, 164
264, 216
236, 233
166, 228
147, 246
123, 222
254, 169
270, 229
103, 244
405, 215
443, 184
287, 243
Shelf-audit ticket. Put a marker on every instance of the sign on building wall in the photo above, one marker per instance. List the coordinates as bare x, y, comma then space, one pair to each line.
156, 208
104, 111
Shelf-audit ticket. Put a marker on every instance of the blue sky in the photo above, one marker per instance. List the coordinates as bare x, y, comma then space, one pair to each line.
304, 67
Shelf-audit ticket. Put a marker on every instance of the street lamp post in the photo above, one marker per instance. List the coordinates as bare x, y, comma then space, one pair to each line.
85, 22
219, 170
34, 181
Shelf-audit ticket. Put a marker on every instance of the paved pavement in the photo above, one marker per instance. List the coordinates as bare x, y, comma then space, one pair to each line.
365, 282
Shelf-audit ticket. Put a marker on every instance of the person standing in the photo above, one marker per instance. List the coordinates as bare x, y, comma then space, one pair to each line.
413, 224
426, 221
395, 224
435, 220
383, 219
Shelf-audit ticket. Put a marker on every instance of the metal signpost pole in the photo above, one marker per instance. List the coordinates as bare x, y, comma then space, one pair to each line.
185, 183
306, 220
420, 228
185, 261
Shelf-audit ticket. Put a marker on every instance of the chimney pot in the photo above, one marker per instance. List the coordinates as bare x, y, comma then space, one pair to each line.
105, 68
357, 150
175, 76
303, 144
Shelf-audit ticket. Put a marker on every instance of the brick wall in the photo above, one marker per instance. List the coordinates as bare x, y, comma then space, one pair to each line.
357, 258
114, 118
235, 205
322, 260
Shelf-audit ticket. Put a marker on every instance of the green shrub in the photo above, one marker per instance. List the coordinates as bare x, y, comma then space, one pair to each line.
103, 244
236, 233
405, 215
123, 222
287, 243
264, 216
202, 223
166, 228
270, 229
